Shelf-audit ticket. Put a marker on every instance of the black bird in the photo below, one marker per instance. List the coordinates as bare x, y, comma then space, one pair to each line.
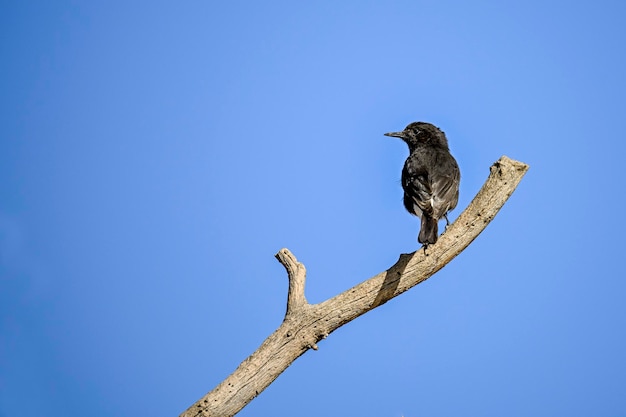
430, 177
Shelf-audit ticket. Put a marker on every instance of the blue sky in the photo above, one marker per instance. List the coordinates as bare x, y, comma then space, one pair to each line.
154, 156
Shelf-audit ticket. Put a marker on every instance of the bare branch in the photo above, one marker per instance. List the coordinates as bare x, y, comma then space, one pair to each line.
297, 277
306, 324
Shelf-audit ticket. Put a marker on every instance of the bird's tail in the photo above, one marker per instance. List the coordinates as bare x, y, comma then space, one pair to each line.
428, 230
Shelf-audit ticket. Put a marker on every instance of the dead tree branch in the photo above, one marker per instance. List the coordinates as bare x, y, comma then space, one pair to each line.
306, 324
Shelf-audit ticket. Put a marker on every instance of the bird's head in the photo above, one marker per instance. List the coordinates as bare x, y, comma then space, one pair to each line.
421, 133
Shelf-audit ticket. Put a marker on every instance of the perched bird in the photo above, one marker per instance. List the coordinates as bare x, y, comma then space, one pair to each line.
430, 177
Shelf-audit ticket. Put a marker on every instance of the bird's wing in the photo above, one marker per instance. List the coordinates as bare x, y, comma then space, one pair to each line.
417, 188
445, 188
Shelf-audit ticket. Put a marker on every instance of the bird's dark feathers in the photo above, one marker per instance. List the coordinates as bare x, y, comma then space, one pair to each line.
424, 133
430, 177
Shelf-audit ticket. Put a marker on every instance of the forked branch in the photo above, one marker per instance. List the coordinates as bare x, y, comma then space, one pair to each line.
297, 276
306, 324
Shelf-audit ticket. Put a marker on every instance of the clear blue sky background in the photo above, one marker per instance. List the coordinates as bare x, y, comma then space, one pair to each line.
154, 156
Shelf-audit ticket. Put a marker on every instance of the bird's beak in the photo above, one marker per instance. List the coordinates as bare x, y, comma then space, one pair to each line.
395, 134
